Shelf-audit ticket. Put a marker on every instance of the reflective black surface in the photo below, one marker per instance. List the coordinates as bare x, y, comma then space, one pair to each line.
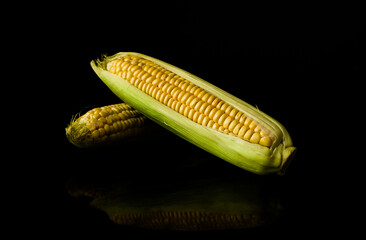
121, 184
182, 190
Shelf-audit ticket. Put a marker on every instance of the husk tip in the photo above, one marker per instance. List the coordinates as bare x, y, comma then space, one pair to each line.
288, 156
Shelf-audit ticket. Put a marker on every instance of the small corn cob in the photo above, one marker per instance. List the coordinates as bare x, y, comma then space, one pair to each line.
106, 125
198, 111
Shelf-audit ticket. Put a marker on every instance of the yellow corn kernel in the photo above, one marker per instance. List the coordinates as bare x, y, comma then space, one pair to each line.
105, 125
200, 100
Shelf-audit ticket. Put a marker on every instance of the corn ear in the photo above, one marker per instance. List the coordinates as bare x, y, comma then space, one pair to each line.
107, 125
262, 145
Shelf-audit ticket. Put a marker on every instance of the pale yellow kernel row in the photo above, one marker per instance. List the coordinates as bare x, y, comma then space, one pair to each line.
189, 99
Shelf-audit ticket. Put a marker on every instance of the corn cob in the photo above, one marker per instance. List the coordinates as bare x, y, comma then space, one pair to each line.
106, 124
198, 111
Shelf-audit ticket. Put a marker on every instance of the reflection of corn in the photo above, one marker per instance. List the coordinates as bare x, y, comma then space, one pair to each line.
198, 111
191, 221
183, 204
106, 124
188, 99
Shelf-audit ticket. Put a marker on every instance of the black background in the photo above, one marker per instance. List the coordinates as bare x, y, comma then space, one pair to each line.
300, 64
